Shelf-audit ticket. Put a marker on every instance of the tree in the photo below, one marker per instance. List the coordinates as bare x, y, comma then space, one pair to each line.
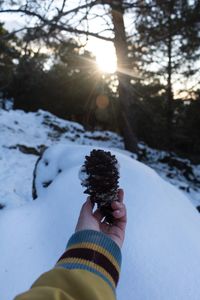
52, 21
163, 32
169, 32
27, 82
69, 87
63, 88
8, 54
71, 83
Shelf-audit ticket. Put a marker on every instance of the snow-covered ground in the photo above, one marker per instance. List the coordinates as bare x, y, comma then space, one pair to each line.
161, 255
18, 129
35, 130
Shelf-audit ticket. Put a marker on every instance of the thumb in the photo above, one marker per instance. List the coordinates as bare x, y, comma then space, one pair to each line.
86, 209
86, 219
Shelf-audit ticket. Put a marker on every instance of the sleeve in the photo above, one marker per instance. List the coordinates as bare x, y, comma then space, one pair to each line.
88, 269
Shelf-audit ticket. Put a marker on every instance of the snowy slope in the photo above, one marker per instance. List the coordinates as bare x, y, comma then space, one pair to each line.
19, 129
161, 255
36, 130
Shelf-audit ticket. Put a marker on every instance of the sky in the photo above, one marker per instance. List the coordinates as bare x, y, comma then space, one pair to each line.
104, 51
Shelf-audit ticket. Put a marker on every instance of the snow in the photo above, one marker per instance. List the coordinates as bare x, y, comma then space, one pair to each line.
186, 179
36, 130
161, 254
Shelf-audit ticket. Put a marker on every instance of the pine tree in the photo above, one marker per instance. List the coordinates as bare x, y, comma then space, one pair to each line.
8, 55
166, 29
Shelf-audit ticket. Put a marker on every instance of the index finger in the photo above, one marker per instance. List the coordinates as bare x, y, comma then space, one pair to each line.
120, 195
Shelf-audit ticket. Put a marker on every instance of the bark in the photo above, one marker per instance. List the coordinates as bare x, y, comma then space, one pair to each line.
125, 88
169, 79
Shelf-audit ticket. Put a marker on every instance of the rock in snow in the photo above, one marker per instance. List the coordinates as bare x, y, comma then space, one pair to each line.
161, 254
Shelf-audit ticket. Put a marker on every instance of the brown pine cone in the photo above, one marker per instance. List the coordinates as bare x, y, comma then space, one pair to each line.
100, 175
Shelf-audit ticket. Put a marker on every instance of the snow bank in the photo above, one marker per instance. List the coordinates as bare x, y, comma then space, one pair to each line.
36, 130
161, 255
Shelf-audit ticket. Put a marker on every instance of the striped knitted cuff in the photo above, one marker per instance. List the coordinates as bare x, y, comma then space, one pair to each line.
95, 252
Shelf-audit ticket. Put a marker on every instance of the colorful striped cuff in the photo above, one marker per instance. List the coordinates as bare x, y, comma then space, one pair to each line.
95, 252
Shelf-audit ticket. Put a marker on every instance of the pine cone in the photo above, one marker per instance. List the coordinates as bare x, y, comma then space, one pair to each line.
100, 176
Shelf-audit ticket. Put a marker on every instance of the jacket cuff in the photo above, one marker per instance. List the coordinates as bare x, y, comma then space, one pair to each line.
95, 252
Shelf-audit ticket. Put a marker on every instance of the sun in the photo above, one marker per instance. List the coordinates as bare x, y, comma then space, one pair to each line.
105, 55
106, 62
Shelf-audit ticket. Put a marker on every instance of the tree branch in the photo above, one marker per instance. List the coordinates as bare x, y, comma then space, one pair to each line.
54, 25
78, 31
78, 8
24, 11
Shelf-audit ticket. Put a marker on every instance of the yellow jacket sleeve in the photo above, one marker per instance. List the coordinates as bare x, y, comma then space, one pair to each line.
88, 269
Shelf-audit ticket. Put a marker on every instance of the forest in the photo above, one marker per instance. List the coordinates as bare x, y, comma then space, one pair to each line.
100, 100
154, 94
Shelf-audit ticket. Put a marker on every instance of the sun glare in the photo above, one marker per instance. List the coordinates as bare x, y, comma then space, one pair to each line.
106, 62
105, 55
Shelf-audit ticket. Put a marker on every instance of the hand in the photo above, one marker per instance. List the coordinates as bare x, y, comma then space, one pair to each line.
93, 221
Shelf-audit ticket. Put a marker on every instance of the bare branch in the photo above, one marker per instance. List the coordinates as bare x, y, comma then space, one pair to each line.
24, 11
54, 25
78, 31
63, 5
78, 8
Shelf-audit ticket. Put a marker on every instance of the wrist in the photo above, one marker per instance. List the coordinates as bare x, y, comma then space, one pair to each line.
95, 252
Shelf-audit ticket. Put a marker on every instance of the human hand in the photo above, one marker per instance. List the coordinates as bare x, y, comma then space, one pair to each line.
93, 221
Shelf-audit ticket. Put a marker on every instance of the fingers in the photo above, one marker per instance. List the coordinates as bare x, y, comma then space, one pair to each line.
98, 215
86, 208
86, 219
119, 210
116, 230
120, 195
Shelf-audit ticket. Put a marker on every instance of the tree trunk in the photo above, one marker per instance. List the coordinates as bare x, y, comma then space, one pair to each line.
124, 88
169, 79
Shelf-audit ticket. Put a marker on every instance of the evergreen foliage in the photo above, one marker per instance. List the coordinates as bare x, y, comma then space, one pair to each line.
8, 54
164, 49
